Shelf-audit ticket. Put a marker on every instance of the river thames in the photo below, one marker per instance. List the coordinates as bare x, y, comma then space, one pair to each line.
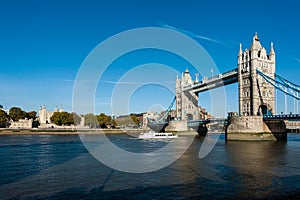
60, 167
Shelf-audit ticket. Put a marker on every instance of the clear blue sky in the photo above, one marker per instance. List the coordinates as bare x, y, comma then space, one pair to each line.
43, 44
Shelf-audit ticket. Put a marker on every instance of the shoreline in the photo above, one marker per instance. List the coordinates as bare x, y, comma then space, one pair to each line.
83, 132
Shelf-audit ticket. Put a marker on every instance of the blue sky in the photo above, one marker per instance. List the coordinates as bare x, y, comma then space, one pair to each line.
43, 44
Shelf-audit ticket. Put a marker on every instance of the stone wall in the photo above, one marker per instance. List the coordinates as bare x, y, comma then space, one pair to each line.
177, 126
254, 128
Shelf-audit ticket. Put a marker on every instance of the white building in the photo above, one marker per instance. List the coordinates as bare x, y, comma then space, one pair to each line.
21, 124
150, 115
44, 115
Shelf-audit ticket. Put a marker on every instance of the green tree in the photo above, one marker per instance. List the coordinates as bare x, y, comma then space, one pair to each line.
135, 119
104, 120
4, 119
114, 123
90, 120
31, 115
76, 118
16, 113
62, 118
56, 118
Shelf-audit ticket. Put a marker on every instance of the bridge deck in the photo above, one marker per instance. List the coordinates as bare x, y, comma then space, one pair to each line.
214, 82
284, 117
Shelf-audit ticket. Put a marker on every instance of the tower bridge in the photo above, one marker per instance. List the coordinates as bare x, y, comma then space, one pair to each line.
257, 81
214, 82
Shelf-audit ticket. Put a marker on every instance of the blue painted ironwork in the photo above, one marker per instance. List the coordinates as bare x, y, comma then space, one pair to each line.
160, 124
284, 117
164, 117
282, 84
194, 123
214, 82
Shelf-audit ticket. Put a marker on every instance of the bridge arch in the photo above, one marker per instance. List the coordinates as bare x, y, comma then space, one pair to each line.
189, 117
263, 110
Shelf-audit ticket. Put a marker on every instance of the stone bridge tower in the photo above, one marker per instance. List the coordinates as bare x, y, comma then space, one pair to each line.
186, 102
256, 96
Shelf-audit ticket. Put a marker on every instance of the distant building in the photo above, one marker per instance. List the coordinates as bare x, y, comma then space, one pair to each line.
150, 115
44, 115
21, 124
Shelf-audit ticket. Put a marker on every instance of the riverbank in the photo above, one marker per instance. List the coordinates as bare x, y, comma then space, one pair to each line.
80, 131
66, 131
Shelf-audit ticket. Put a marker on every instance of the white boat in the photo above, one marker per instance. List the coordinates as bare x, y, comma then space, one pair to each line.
155, 135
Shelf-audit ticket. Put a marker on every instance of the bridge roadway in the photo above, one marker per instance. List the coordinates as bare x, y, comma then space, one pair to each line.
195, 123
214, 82
283, 116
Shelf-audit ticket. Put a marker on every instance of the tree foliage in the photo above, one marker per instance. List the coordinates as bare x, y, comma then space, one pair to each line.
76, 118
16, 113
135, 119
4, 119
104, 120
90, 120
130, 120
62, 118
31, 115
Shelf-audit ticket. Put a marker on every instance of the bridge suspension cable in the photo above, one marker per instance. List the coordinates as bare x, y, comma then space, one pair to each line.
162, 118
282, 84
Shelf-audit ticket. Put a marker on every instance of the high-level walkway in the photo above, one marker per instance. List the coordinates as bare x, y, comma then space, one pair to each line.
214, 82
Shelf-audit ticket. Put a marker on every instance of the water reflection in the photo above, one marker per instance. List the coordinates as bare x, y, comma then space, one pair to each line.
66, 170
255, 164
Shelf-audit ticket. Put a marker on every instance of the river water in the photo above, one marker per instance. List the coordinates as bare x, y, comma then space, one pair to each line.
60, 167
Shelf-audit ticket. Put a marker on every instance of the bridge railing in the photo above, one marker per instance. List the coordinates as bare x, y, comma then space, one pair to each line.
205, 121
283, 116
212, 79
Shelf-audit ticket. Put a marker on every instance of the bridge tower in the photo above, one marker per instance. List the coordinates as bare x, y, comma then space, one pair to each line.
186, 101
256, 96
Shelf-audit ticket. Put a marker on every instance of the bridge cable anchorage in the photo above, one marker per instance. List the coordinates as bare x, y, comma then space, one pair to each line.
282, 84
161, 119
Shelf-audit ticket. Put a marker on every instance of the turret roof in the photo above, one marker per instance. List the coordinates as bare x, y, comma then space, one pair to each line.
255, 43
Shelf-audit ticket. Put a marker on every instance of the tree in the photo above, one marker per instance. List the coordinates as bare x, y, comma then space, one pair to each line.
16, 113
4, 119
31, 115
114, 123
104, 120
56, 118
135, 119
62, 118
76, 118
90, 120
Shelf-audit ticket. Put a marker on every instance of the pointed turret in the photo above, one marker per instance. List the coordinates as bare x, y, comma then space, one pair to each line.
272, 52
241, 50
255, 43
240, 55
196, 80
61, 109
186, 71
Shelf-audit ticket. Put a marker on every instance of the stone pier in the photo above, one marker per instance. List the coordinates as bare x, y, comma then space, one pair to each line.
254, 128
